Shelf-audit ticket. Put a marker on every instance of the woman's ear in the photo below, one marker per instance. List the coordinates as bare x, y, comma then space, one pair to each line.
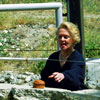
73, 42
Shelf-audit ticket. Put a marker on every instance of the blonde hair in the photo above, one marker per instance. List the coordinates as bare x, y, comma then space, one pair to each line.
73, 30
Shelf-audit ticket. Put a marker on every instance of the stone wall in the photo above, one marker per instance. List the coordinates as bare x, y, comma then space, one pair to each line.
25, 78
93, 73
24, 92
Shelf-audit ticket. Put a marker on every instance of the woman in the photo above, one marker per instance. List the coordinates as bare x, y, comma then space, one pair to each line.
65, 68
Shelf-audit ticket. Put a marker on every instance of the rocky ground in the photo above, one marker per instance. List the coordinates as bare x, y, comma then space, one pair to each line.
31, 35
26, 78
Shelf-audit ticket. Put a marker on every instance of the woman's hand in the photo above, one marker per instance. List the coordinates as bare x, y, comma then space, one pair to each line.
57, 76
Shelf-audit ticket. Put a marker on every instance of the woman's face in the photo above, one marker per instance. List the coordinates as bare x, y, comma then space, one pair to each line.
65, 40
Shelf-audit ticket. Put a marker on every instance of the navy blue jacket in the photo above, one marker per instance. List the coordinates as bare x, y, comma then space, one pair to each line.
73, 70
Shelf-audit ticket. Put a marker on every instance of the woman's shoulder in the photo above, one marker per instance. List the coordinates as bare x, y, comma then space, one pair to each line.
77, 58
54, 54
77, 55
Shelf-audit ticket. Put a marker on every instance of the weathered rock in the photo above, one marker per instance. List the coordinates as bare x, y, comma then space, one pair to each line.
19, 79
2, 80
24, 92
4, 91
54, 94
93, 73
2, 97
28, 79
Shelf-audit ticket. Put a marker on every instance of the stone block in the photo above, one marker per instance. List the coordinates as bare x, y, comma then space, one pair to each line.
4, 91
30, 93
25, 92
93, 73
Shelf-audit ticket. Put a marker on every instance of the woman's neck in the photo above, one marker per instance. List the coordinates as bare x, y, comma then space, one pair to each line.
67, 52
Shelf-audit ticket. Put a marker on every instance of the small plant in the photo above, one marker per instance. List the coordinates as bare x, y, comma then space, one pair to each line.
37, 67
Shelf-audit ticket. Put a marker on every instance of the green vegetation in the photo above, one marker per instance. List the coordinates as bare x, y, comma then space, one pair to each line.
26, 1
91, 6
91, 28
92, 37
10, 46
11, 19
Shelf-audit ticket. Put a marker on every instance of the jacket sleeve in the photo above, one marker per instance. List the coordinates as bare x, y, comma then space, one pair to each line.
75, 76
46, 72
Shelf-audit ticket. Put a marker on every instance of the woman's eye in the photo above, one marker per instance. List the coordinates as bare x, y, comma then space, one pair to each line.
66, 37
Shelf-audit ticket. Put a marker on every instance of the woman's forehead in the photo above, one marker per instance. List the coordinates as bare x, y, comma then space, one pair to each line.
63, 30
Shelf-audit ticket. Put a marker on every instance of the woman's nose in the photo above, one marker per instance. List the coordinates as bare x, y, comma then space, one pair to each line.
62, 38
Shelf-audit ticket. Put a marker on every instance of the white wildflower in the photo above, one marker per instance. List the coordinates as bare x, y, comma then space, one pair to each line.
51, 39
10, 31
13, 46
1, 44
5, 40
31, 47
5, 31
19, 25
17, 49
26, 44
17, 38
5, 50
11, 54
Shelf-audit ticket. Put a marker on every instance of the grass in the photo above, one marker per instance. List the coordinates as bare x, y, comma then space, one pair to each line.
26, 1
91, 6
91, 28
92, 37
11, 19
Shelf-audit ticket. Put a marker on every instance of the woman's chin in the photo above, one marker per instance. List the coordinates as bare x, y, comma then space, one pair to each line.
63, 49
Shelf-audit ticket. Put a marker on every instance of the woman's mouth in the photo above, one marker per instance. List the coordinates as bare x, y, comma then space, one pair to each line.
63, 45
